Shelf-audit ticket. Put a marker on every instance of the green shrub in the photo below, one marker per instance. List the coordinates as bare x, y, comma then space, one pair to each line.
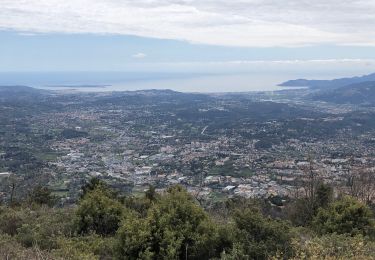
259, 237
42, 196
44, 226
345, 216
86, 247
334, 246
10, 220
99, 212
11, 249
175, 228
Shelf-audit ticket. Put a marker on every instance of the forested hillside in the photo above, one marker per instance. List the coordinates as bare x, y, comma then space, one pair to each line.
173, 225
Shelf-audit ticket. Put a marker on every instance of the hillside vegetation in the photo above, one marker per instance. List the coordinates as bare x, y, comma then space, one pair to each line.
173, 225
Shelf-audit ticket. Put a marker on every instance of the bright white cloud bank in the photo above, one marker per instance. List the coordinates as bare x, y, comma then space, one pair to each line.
220, 22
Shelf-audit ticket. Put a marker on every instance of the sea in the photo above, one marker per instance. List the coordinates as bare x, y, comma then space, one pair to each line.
205, 82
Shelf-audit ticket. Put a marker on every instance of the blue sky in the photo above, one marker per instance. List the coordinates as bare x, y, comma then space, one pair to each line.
186, 35
21, 51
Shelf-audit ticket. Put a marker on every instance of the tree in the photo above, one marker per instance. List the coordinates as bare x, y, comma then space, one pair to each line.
323, 197
186, 230
13, 182
99, 211
362, 184
260, 237
42, 196
310, 184
175, 228
298, 212
236, 253
134, 238
345, 216
316, 194
151, 194
302, 210
94, 183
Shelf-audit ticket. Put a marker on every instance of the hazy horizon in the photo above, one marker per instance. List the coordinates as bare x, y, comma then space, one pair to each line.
194, 77
183, 45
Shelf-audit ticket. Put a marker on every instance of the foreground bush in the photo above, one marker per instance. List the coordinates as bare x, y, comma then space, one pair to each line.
89, 247
345, 216
335, 246
11, 249
175, 228
258, 237
11, 219
99, 212
44, 226
36, 226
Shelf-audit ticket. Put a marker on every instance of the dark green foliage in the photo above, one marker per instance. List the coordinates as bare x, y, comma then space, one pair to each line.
324, 196
99, 212
175, 228
42, 196
180, 227
259, 237
142, 205
302, 211
265, 143
139, 205
134, 239
276, 200
226, 236
94, 183
71, 133
151, 194
298, 212
346, 216
43, 227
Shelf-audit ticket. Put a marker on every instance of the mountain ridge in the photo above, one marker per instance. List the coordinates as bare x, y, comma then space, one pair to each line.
328, 84
360, 93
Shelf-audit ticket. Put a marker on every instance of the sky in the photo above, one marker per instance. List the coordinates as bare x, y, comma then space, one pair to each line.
187, 35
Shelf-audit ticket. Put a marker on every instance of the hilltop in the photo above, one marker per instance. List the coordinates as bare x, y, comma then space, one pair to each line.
360, 93
328, 84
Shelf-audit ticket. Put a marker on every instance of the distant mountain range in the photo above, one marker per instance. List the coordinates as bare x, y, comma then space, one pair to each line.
14, 89
19, 93
328, 84
356, 90
360, 93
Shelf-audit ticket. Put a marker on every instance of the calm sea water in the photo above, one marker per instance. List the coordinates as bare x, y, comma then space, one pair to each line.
185, 82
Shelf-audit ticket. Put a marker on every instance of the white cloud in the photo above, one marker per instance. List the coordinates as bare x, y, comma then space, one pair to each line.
321, 61
139, 55
245, 66
220, 22
26, 34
